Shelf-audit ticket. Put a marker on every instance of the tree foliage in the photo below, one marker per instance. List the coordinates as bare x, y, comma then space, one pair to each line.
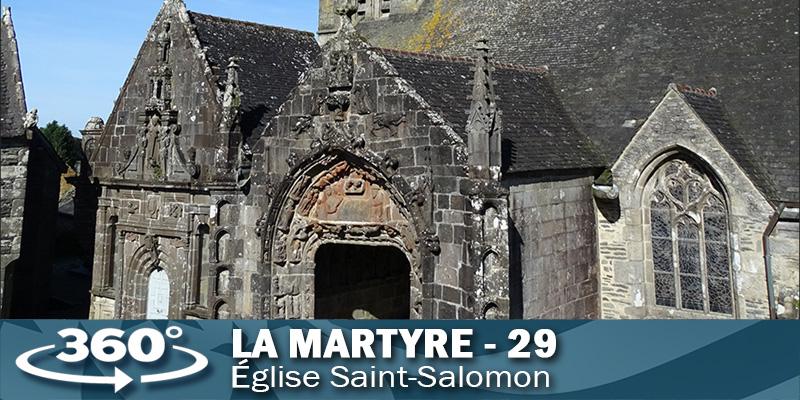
66, 146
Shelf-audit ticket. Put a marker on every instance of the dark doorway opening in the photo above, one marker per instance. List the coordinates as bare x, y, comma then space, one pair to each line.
361, 282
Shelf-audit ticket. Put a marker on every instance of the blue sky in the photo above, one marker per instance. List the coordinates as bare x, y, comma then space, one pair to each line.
76, 54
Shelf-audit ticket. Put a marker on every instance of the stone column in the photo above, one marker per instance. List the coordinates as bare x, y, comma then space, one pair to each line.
196, 251
101, 263
119, 268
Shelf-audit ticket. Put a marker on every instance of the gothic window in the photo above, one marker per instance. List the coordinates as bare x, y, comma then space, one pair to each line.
223, 311
489, 264
491, 225
223, 282
385, 8
689, 235
363, 8
222, 247
158, 295
373, 9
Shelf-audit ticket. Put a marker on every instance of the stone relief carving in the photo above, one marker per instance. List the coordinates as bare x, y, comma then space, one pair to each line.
333, 200
150, 244
292, 160
158, 149
132, 207
338, 104
340, 69
418, 196
362, 102
175, 210
387, 124
153, 206
344, 201
303, 125
165, 41
432, 242
31, 119
390, 165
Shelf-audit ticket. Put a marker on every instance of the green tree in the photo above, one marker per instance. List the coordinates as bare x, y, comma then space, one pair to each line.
66, 146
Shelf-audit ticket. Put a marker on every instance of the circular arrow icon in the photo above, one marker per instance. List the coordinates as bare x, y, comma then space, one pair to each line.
120, 379
200, 363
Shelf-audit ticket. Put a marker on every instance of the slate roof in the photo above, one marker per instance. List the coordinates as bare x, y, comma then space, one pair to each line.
538, 134
613, 58
709, 107
12, 95
272, 60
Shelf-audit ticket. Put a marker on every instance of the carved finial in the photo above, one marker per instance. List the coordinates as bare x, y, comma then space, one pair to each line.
482, 84
483, 123
31, 119
94, 124
232, 97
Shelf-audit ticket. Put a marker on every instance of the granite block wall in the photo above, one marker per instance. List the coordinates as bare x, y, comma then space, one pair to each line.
556, 225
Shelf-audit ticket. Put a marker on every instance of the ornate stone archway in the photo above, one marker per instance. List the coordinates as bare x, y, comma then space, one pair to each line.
337, 198
134, 283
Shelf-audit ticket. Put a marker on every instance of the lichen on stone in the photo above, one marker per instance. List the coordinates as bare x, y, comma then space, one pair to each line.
436, 31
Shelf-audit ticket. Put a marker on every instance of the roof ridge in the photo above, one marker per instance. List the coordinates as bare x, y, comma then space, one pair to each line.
467, 60
710, 93
238, 21
429, 56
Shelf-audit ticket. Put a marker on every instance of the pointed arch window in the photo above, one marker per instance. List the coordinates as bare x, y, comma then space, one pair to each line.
158, 295
689, 236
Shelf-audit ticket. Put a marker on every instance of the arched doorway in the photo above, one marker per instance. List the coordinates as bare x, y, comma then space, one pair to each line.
361, 282
341, 215
158, 295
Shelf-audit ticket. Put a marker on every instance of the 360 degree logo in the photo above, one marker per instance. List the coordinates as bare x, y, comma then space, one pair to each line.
106, 346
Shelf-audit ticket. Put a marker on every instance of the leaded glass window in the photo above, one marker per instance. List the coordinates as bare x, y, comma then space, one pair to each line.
689, 236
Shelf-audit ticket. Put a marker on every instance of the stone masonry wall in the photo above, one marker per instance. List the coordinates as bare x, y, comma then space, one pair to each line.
785, 252
407, 141
556, 226
30, 186
627, 289
192, 93
186, 219
13, 177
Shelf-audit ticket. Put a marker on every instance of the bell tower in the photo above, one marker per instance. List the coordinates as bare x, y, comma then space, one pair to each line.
367, 11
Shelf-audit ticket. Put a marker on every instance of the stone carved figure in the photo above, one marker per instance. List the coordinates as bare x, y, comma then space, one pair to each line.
362, 103
329, 202
153, 141
387, 124
165, 149
378, 200
338, 202
164, 41
150, 243
340, 71
31, 119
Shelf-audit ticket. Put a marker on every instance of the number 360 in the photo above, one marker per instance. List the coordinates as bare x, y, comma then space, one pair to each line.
107, 347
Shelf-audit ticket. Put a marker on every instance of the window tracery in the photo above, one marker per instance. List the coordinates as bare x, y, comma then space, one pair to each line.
689, 236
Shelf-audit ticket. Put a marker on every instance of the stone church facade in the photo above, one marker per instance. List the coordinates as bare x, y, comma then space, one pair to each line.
30, 171
247, 172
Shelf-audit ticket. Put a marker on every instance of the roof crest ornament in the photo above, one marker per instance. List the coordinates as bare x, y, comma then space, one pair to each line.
712, 92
